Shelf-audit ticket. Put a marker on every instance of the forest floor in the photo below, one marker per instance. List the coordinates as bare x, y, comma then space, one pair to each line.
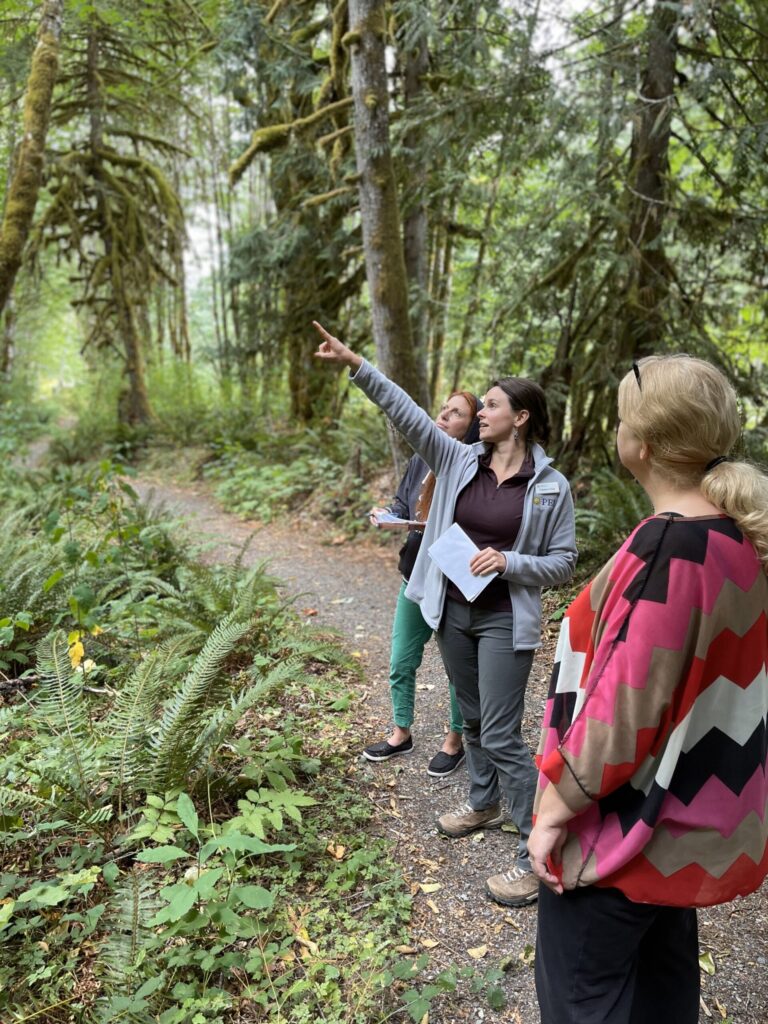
351, 586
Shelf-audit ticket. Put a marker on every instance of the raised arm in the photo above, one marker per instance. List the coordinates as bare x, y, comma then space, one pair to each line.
417, 427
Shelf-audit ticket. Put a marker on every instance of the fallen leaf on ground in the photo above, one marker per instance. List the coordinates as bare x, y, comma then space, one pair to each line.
336, 850
430, 886
309, 611
509, 827
706, 963
303, 939
406, 949
432, 906
478, 952
429, 943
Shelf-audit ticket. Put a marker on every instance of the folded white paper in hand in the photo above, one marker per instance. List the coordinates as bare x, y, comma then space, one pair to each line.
453, 552
383, 518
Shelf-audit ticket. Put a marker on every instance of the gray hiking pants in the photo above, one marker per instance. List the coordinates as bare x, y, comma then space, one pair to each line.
490, 677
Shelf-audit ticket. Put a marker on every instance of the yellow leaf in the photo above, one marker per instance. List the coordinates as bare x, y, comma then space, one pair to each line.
336, 850
73, 637
303, 939
432, 906
478, 952
406, 949
429, 943
97, 631
707, 963
76, 652
430, 886
425, 1018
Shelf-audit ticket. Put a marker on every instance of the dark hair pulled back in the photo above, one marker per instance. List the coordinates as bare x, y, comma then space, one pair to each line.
525, 394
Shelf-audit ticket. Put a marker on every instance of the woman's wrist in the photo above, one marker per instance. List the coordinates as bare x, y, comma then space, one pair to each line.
553, 811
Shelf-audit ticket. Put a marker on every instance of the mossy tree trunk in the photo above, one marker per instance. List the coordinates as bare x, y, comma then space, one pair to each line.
379, 211
133, 404
648, 283
415, 221
28, 172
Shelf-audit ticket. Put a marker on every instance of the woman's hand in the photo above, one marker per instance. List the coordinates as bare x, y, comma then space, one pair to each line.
373, 515
545, 844
334, 351
487, 560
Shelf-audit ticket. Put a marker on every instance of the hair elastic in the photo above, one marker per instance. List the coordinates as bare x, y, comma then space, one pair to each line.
716, 462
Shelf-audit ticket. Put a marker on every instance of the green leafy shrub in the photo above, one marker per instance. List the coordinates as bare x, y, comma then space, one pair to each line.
614, 507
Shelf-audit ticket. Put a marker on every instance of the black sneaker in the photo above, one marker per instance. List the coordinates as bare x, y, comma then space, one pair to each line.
383, 751
443, 764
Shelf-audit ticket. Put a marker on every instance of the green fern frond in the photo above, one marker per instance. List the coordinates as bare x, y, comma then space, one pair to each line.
616, 506
60, 708
187, 712
17, 799
131, 905
223, 721
131, 718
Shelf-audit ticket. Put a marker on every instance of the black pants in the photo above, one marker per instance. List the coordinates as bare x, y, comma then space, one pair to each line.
601, 959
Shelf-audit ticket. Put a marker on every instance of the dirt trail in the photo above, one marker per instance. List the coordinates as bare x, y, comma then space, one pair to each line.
352, 586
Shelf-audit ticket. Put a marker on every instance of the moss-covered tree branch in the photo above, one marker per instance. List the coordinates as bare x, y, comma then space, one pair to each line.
27, 177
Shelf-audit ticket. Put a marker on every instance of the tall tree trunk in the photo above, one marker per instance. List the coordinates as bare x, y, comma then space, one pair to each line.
415, 223
440, 290
133, 405
647, 187
8, 343
379, 211
25, 183
478, 270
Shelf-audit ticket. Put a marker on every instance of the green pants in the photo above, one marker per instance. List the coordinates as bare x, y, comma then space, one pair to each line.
410, 635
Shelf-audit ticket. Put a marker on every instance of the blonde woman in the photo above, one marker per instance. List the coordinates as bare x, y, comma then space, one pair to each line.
653, 785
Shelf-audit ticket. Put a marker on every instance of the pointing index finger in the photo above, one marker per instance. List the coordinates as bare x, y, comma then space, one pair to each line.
322, 330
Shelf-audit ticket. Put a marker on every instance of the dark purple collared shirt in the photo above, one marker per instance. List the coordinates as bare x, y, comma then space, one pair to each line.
490, 514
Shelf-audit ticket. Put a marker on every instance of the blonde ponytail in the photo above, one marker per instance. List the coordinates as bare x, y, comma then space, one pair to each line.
741, 491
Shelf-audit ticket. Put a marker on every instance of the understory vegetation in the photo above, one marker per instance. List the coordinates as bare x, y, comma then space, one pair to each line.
178, 839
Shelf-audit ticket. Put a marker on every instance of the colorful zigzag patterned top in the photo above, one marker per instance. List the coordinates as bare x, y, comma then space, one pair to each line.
655, 726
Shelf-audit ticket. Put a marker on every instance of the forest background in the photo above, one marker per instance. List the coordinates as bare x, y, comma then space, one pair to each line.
459, 190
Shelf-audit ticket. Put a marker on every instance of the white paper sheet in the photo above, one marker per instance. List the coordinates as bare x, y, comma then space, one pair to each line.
388, 518
452, 552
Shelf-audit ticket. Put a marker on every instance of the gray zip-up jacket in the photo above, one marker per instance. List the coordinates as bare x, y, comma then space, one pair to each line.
545, 549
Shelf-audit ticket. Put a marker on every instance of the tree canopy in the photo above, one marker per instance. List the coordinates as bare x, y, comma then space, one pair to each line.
465, 190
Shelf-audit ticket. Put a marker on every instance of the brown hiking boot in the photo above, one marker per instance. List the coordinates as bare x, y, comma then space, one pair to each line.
515, 888
463, 820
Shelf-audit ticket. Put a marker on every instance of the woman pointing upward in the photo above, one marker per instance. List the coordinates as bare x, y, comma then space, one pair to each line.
518, 511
